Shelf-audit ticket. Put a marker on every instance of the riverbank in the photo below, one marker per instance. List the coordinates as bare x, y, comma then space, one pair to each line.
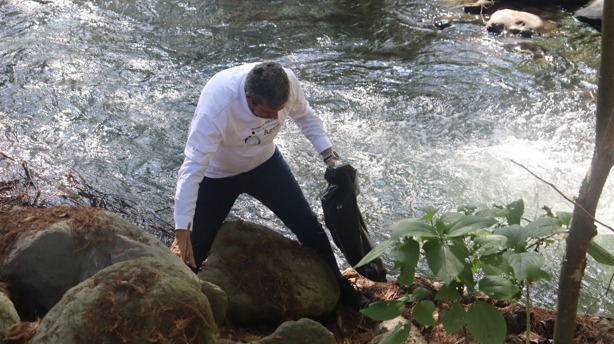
21, 186
350, 327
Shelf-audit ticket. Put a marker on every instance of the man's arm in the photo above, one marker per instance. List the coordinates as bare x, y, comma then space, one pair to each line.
203, 141
190, 173
182, 247
308, 122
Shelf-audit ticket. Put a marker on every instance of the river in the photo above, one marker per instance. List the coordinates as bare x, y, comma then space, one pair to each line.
429, 114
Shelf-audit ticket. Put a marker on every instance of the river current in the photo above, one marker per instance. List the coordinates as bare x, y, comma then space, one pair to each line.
426, 104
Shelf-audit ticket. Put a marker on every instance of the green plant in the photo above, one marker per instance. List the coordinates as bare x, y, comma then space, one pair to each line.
492, 251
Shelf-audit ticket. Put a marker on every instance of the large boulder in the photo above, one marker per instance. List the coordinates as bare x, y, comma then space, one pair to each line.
45, 252
514, 22
591, 14
268, 278
144, 300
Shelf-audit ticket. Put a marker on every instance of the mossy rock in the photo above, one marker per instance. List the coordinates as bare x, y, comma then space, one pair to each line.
145, 300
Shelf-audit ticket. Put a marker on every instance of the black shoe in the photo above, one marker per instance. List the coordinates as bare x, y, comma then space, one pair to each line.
351, 297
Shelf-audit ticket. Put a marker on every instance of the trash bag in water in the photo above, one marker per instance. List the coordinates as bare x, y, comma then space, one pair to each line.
345, 222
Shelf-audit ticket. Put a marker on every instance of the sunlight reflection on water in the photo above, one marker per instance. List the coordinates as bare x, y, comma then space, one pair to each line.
427, 116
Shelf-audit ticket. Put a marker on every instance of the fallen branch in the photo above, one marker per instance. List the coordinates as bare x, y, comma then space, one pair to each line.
30, 181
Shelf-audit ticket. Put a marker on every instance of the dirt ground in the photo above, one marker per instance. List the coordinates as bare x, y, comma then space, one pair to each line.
352, 327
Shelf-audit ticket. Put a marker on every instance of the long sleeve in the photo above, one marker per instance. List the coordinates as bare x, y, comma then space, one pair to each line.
305, 117
203, 140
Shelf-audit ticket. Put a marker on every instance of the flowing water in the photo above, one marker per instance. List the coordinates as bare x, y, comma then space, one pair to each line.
419, 97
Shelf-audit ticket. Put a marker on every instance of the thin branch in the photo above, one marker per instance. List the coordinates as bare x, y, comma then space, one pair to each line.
563, 195
30, 180
2, 154
604, 297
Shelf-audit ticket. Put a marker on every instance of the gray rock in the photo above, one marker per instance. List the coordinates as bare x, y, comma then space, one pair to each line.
303, 331
591, 13
268, 278
8, 313
515, 22
48, 251
144, 300
414, 337
217, 299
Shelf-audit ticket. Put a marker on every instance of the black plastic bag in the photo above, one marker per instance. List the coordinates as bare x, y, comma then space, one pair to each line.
345, 222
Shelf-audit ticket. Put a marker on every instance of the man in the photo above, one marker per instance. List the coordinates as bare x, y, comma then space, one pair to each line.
230, 151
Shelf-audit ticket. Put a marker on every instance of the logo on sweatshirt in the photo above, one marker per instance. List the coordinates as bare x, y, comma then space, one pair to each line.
253, 140
270, 127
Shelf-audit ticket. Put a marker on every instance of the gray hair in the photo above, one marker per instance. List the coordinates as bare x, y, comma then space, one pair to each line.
268, 82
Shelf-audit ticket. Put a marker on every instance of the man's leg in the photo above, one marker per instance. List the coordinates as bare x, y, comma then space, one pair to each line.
273, 184
215, 199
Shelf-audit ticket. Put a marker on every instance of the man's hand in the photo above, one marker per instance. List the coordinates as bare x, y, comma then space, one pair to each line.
333, 163
182, 247
331, 158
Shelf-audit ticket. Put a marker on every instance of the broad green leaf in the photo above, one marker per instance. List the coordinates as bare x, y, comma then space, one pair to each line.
541, 275
515, 234
440, 226
411, 228
495, 265
564, 217
376, 252
406, 275
445, 261
408, 253
489, 244
449, 292
429, 212
423, 313
526, 264
492, 212
406, 258
485, 323
384, 310
544, 227
451, 218
514, 212
461, 245
600, 254
499, 288
465, 224
419, 294
398, 335
453, 319
466, 277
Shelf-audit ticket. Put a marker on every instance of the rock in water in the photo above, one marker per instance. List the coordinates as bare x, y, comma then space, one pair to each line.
515, 22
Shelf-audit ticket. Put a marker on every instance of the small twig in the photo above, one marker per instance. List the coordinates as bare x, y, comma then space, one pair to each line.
31, 181
466, 335
563, 195
607, 290
528, 313
6, 156
609, 285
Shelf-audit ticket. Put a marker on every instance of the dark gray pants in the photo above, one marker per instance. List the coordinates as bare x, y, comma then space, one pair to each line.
274, 185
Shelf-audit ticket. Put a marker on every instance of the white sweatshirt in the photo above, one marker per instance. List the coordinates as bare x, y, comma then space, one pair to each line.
226, 138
